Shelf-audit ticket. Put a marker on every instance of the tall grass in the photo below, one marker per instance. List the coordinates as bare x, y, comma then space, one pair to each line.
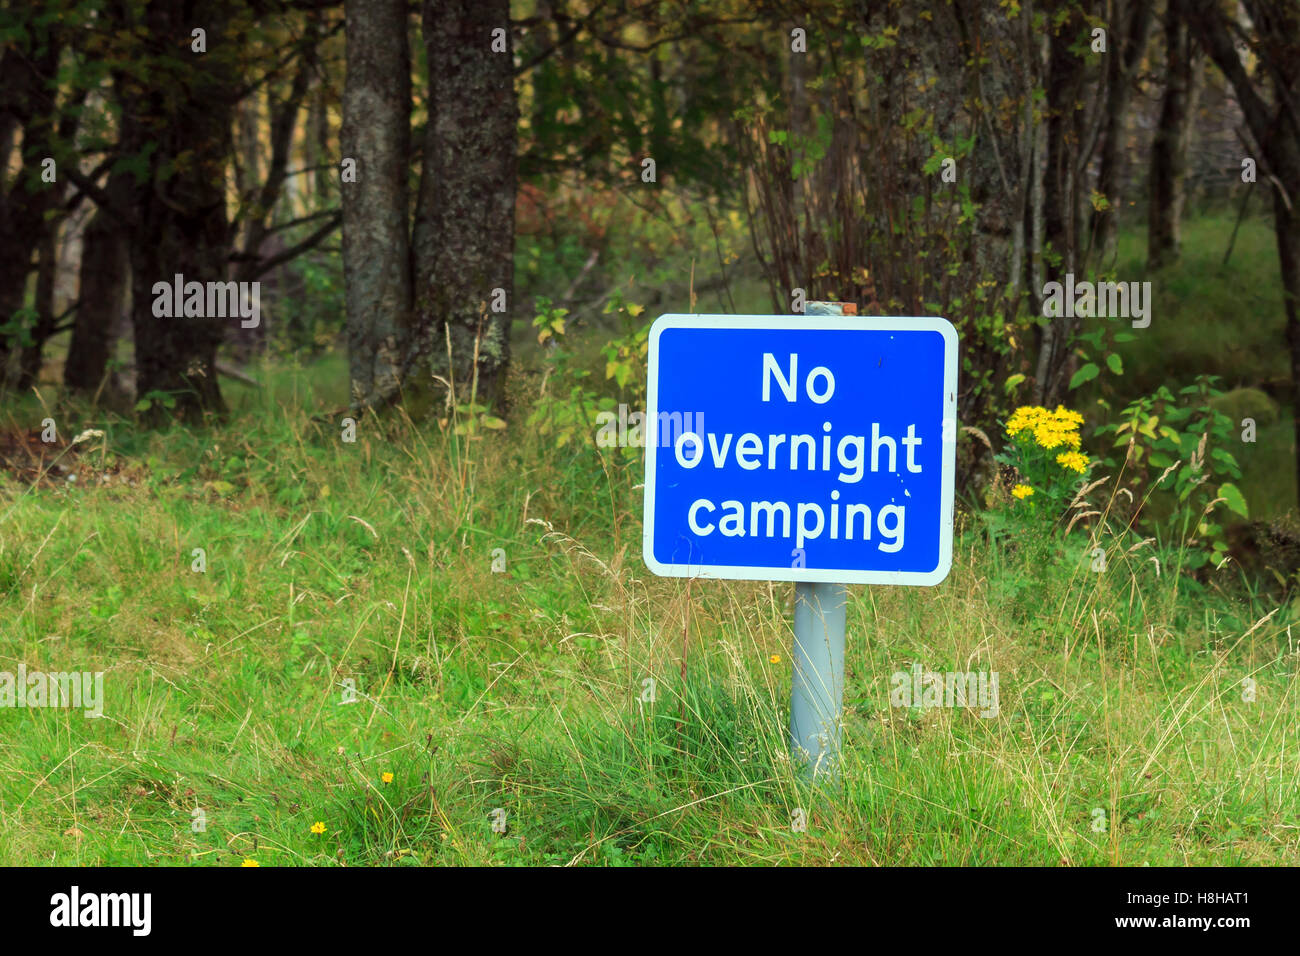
1124, 736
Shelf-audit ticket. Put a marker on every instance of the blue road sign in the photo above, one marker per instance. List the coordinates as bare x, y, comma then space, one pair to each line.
801, 448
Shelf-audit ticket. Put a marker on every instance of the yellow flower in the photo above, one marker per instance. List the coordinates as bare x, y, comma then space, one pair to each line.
1049, 429
774, 659
1063, 414
318, 827
1048, 436
1073, 460
250, 862
1052, 438
1022, 491
1025, 417
387, 778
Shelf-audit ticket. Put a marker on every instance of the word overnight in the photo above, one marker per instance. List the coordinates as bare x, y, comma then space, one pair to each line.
849, 456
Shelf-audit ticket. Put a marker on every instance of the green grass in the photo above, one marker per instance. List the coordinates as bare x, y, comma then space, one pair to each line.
1213, 319
327, 562
1208, 317
333, 566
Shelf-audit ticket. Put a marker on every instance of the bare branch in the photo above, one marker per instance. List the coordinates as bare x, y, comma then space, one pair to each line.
294, 251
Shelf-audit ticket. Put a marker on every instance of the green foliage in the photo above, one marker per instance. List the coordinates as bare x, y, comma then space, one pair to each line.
18, 328
1102, 337
1177, 446
626, 355
310, 316
570, 404
549, 321
566, 406
472, 417
155, 397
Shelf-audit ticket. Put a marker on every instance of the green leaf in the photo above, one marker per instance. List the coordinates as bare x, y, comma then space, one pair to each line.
1116, 366
1235, 500
1085, 374
1012, 381
143, 405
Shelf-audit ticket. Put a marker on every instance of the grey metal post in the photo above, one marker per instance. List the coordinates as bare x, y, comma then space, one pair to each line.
817, 678
817, 683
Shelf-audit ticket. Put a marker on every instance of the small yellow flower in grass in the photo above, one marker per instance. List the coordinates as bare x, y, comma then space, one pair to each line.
1073, 460
387, 778
774, 659
318, 827
250, 862
1022, 491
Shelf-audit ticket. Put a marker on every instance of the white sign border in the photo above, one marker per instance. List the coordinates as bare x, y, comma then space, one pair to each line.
677, 320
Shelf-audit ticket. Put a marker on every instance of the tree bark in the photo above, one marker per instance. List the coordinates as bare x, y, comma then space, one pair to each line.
178, 212
26, 95
1169, 143
376, 252
1065, 76
1276, 128
102, 295
30, 359
1129, 39
463, 242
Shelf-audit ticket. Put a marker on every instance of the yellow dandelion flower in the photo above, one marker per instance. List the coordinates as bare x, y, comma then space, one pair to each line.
1073, 460
250, 862
318, 827
1022, 491
774, 659
387, 778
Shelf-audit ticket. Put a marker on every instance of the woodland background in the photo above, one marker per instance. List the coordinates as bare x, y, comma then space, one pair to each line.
464, 215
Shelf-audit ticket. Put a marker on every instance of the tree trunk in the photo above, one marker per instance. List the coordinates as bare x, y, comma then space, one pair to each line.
1129, 36
376, 252
1036, 227
1287, 227
26, 85
1169, 143
32, 356
1060, 201
463, 241
102, 295
179, 223
1276, 128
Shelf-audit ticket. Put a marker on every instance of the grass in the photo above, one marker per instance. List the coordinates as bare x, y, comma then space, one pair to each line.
1224, 320
1221, 319
521, 691
349, 624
